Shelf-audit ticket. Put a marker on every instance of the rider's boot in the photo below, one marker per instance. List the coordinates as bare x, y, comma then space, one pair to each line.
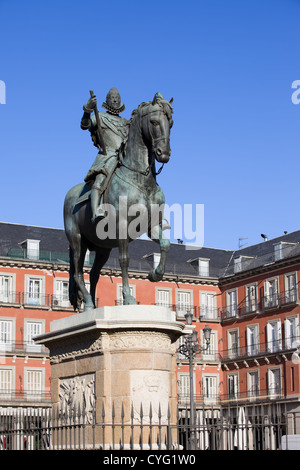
97, 210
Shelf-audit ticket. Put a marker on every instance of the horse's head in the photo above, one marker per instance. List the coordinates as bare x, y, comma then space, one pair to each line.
156, 123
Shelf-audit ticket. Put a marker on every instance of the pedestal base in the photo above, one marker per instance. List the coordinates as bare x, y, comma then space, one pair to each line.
119, 364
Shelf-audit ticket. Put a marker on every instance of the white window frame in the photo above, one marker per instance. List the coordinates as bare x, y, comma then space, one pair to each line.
33, 327
167, 293
7, 381
8, 295
250, 298
208, 304
253, 381
132, 288
233, 347
232, 307
274, 390
252, 334
59, 299
203, 267
291, 332
34, 392
7, 333
181, 307
210, 354
270, 297
34, 300
233, 385
274, 342
210, 387
290, 293
184, 387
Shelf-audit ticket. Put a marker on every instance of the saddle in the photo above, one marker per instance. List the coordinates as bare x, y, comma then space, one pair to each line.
86, 192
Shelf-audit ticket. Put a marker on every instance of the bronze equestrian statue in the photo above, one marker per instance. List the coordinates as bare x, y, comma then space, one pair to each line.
124, 169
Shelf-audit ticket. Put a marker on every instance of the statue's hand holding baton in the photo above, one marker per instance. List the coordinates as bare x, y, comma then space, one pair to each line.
93, 104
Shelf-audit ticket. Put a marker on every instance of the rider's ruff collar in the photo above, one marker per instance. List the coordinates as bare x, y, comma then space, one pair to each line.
112, 110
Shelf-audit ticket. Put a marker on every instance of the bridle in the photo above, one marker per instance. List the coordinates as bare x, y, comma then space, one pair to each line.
154, 141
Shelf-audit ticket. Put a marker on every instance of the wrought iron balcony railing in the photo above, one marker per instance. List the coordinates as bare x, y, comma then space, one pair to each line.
8, 394
259, 349
25, 347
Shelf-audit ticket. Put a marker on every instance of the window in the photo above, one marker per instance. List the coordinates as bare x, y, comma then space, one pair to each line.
61, 295
163, 297
291, 331
6, 382
208, 305
274, 382
120, 293
212, 352
252, 340
180, 342
233, 343
231, 303
6, 335
271, 293
34, 294
290, 285
210, 388
34, 383
32, 329
233, 386
251, 298
283, 249
203, 267
274, 336
7, 288
184, 302
184, 387
253, 384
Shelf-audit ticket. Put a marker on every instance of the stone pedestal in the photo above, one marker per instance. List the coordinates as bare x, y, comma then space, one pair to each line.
119, 363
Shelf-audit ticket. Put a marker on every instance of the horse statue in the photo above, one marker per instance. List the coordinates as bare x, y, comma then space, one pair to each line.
135, 182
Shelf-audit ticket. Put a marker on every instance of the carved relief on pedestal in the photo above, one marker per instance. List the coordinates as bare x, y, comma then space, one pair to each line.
77, 394
151, 390
74, 351
140, 340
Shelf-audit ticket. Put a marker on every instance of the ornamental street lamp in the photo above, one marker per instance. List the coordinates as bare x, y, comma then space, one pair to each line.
190, 348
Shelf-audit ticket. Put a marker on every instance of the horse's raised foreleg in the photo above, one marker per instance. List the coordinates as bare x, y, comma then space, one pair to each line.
124, 263
157, 236
100, 259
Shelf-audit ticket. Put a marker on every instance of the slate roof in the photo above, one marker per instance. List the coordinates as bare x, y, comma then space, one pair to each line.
179, 260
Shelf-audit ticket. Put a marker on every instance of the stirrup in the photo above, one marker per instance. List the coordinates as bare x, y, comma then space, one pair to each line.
165, 226
99, 214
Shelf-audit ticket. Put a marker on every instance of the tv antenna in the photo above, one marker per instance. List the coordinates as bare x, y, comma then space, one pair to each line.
242, 244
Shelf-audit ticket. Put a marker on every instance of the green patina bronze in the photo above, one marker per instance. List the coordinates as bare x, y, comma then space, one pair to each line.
124, 168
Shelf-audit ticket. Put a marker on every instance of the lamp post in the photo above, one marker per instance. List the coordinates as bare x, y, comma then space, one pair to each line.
190, 348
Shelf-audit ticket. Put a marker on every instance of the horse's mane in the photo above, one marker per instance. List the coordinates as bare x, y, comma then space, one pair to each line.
162, 103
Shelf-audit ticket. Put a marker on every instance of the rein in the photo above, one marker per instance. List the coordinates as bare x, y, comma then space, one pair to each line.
147, 171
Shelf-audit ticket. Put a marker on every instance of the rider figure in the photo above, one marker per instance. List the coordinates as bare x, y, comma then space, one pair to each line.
114, 130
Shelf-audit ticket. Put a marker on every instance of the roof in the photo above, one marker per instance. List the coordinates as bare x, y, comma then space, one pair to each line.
181, 259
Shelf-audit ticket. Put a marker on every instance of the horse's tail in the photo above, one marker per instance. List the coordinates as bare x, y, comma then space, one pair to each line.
75, 296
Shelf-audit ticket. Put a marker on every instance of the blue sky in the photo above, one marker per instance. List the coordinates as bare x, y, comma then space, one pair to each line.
229, 64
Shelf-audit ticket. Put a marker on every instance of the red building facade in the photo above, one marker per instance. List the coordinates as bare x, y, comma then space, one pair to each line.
249, 299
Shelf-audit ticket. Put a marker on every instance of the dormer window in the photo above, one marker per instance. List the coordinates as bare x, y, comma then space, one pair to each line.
282, 249
241, 263
201, 265
154, 258
32, 248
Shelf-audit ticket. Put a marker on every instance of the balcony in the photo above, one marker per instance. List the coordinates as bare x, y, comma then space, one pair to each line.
22, 347
10, 395
259, 349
